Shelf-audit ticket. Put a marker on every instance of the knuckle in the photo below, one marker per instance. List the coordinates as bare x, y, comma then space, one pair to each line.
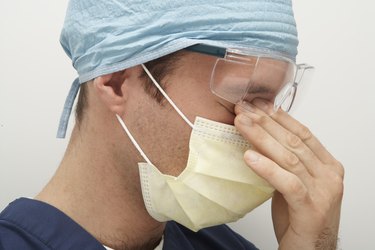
335, 185
340, 169
293, 140
291, 160
338, 184
267, 173
296, 188
304, 133
262, 120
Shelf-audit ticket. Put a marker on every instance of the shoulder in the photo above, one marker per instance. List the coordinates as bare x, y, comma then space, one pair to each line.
218, 237
30, 224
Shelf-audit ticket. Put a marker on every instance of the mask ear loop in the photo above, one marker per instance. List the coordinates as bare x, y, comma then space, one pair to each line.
136, 145
132, 139
167, 97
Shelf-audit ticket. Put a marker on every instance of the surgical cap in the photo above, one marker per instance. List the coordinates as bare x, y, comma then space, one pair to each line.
106, 36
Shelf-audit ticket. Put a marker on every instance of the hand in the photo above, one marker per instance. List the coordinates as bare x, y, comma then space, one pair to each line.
307, 178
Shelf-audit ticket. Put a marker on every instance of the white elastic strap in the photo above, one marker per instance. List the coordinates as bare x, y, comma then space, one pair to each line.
167, 97
136, 145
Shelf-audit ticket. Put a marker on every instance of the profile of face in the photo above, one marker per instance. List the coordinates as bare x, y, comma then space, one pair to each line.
164, 135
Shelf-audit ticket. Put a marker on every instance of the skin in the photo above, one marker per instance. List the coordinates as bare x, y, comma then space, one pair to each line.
97, 183
308, 179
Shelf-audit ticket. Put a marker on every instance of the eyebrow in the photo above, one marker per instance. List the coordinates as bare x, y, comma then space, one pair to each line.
260, 90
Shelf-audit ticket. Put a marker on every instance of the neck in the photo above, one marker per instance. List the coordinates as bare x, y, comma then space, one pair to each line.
102, 196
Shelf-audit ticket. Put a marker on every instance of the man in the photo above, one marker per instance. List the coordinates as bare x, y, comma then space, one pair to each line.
194, 93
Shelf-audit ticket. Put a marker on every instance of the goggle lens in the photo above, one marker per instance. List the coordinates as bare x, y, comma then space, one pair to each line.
244, 78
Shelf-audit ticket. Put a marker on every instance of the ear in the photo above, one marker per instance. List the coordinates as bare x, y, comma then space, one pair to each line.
113, 90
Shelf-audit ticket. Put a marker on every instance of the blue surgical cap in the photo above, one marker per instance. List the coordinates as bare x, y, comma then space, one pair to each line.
106, 36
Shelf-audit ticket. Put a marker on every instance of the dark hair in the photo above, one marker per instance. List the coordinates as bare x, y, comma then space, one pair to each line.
159, 68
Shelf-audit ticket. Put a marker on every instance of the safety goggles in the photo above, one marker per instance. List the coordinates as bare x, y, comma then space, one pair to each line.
244, 74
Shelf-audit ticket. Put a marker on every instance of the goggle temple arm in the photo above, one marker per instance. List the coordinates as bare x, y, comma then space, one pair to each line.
208, 50
302, 70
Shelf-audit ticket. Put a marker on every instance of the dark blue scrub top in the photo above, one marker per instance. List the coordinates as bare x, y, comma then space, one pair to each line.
30, 224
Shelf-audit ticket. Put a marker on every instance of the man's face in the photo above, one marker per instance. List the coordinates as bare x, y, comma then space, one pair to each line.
161, 132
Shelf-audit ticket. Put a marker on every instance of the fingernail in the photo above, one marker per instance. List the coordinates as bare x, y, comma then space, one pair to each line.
251, 156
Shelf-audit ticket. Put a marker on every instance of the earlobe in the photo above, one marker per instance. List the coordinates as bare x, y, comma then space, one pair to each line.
112, 91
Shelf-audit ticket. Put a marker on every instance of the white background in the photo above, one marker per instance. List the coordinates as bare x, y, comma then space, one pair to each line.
337, 36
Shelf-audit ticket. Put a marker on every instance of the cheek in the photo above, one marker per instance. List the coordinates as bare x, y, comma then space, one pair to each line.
174, 156
196, 99
160, 132
167, 142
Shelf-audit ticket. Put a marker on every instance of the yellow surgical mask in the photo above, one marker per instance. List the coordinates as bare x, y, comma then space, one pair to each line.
216, 187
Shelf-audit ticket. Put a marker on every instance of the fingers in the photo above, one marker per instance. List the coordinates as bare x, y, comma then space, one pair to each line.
297, 139
296, 164
295, 127
310, 140
288, 184
276, 142
270, 147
